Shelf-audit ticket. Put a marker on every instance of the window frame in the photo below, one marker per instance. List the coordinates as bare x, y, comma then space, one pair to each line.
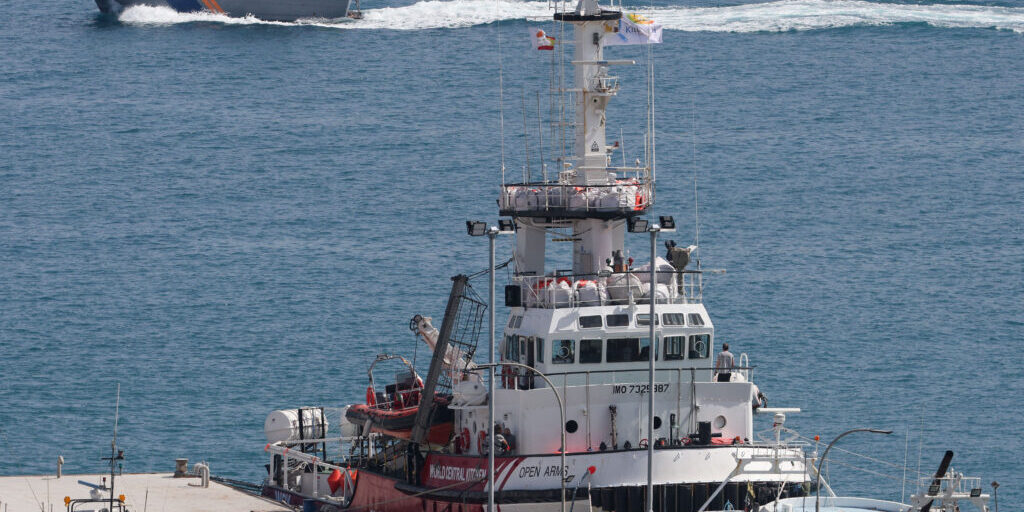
665, 319
561, 343
600, 350
690, 343
682, 345
607, 319
647, 321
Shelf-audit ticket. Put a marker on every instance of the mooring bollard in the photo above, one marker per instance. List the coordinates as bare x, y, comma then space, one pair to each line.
180, 468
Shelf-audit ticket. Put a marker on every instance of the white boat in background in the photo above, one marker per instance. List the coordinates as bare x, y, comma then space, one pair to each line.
607, 395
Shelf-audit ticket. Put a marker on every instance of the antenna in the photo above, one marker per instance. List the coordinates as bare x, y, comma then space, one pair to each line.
526, 141
501, 99
115, 455
540, 142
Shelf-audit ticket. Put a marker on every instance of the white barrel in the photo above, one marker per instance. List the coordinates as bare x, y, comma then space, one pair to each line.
347, 428
283, 425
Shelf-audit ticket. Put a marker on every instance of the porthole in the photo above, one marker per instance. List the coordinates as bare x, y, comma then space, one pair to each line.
720, 422
657, 422
571, 426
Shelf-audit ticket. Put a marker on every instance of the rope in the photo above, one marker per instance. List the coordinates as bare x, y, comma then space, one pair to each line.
484, 271
872, 459
876, 473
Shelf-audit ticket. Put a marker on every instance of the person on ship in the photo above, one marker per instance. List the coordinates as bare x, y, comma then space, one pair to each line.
509, 439
724, 364
679, 257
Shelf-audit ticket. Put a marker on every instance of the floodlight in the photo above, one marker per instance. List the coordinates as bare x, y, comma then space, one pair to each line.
476, 228
637, 225
667, 223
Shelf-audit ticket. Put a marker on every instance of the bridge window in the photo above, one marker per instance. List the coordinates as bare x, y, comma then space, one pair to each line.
626, 350
674, 318
696, 319
540, 350
674, 347
590, 351
563, 351
700, 346
507, 351
519, 321
617, 320
645, 319
587, 322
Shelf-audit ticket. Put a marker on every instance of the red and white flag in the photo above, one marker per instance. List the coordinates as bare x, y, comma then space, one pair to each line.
542, 41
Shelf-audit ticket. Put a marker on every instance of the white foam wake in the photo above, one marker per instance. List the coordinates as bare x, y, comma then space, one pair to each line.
788, 15
782, 15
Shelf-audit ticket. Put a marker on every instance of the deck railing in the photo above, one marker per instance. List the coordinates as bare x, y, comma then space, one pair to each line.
610, 288
704, 374
630, 192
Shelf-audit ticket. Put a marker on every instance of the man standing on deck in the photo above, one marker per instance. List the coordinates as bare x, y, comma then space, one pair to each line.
724, 364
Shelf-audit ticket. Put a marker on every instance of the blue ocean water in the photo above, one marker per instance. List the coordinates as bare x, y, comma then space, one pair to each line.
229, 217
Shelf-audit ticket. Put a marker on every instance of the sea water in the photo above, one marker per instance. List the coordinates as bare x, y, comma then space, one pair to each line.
230, 216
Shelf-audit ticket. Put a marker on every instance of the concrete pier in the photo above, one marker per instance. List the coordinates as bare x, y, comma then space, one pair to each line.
154, 492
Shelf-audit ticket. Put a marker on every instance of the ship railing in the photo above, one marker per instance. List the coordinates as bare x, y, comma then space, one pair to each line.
317, 466
954, 485
637, 378
605, 84
607, 288
628, 193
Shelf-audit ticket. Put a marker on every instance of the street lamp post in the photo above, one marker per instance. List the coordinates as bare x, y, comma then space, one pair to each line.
652, 352
561, 415
817, 490
478, 228
492, 233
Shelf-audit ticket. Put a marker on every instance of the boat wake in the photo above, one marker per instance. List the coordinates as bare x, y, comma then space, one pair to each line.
778, 16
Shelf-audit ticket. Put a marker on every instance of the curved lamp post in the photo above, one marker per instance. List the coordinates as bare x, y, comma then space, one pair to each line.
817, 491
561, 413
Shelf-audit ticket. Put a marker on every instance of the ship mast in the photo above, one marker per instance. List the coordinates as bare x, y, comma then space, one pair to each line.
590, 196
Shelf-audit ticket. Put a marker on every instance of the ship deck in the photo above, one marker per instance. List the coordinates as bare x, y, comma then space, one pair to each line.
142, 491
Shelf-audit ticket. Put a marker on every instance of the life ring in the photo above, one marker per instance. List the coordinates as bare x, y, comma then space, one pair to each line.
642, 444
641, 202
481, 442
464, 440
418, 383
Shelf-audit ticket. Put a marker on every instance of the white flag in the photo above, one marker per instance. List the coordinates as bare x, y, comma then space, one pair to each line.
634, 29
